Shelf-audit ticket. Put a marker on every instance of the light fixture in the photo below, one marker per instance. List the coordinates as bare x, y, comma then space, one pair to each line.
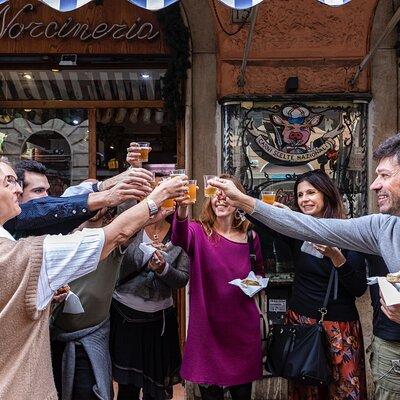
27, 76
112, 147
55, 70
68, 60
145, 76
27, 110
75, 122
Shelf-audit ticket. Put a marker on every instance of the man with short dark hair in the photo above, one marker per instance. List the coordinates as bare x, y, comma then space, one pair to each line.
32, 175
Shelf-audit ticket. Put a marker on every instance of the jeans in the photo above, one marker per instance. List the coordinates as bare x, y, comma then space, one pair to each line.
83, 379
384, 359
214, 392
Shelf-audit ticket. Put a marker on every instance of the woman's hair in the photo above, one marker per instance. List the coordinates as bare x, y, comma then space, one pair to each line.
207, 216
333, 201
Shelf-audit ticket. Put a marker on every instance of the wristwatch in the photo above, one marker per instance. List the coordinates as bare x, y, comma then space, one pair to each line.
153, 209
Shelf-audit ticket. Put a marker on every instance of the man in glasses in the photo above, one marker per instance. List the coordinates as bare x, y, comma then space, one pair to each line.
31, 270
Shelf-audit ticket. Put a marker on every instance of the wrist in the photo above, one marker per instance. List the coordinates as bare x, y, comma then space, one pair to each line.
338, 261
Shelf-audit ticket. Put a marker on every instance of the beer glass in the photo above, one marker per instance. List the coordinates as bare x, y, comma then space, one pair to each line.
209, 191
144, 151
268, 196
192, 190
169, 203
153, 182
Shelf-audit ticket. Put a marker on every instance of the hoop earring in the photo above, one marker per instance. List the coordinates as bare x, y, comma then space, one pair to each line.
239, 214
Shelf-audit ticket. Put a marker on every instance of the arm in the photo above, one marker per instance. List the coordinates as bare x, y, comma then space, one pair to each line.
66, 258
358, 234
48, 210
182, 232
353, 274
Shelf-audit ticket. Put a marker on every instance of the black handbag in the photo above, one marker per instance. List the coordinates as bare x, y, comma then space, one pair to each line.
299, 352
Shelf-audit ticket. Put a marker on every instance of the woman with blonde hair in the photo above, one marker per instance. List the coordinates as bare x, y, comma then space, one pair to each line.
223, 347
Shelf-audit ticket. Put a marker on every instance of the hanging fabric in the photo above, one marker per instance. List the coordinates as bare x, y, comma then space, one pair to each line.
241, 4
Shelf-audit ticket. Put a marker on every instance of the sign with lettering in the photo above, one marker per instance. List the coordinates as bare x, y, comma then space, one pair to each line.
294, 135
12, 26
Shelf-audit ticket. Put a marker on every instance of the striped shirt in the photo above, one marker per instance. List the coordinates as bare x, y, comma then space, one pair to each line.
65, 258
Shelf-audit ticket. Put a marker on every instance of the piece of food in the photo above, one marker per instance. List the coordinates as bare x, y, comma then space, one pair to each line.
250, 282
393, 278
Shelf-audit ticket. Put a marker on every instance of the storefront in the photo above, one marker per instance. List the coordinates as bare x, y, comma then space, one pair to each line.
77, 87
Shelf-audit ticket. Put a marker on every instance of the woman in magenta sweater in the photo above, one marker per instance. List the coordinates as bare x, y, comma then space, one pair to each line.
223, 347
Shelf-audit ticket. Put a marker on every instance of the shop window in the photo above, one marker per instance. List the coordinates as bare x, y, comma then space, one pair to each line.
269, 144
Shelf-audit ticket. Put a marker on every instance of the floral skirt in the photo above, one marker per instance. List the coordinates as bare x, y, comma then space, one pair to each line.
346, 349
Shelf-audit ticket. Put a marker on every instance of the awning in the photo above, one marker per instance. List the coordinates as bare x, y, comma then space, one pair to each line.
81, 85
69, 5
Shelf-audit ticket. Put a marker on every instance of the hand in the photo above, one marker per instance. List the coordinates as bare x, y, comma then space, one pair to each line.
61, 294
123, 192
392, 312
333, 253
157, 262
280, 205
137, 177
174, 188
133, 155
234, 196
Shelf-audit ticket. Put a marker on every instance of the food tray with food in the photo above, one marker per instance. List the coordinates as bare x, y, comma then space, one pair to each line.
252, 284
389, 286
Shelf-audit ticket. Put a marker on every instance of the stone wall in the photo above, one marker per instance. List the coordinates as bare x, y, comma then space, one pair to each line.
19, 130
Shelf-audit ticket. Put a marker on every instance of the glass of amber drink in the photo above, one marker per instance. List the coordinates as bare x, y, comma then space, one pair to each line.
192, 190
268, 196
144, 148
209, 191
169, 203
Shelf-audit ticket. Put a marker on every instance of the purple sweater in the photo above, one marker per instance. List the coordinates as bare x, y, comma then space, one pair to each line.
223, 342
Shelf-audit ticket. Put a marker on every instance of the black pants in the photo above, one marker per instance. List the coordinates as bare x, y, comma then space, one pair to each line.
83, 379
238, 392
130, 392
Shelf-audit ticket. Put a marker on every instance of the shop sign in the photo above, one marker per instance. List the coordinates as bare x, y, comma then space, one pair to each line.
286, 136
12, 27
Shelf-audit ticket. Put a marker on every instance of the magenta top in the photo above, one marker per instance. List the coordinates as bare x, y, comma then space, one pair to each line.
223, 344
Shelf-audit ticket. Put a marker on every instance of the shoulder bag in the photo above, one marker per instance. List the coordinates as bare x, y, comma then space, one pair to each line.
299, 352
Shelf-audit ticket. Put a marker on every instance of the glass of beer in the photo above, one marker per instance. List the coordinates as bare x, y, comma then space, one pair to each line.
209, 191
144, 151
177, 172
153, 182
192, 190
268, 196
169, 203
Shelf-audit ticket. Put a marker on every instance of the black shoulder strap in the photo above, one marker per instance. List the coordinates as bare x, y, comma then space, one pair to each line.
250, 240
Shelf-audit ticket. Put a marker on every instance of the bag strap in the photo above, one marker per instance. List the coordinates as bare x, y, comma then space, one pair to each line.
250, 240
323, 310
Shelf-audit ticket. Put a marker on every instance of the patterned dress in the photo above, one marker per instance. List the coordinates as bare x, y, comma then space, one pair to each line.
346, 349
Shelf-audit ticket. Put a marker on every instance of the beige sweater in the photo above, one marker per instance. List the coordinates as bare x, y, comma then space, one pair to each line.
25, 363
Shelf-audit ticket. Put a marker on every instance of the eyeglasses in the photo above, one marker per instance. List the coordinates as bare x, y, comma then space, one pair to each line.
11, 180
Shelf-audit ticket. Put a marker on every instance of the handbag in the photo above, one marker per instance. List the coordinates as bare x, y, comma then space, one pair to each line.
298, 352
